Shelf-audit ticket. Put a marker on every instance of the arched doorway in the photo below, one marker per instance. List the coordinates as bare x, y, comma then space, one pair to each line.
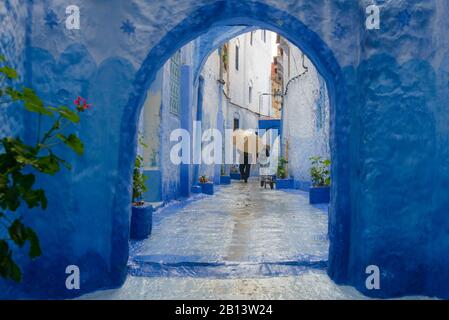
259, 15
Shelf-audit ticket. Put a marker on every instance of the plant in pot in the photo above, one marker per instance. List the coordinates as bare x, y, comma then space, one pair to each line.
282, 182
224, 179
321, 180
142, 212
207, 187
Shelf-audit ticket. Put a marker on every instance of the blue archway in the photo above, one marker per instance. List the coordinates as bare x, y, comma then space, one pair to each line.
235, 13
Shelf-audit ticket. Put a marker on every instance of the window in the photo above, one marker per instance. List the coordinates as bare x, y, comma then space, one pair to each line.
237, 49
250, 93
236, 124
264, 35
251, 39
175, 80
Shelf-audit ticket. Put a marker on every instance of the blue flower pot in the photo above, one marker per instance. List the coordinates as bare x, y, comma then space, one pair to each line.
319, 195
236, 176
282, 184
207, 188
141, 221
196, 189
225, 180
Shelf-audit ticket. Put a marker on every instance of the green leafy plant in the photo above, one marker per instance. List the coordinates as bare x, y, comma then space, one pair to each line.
19, 162
203, 179
320, 172
225, 57
139, 179
282, 168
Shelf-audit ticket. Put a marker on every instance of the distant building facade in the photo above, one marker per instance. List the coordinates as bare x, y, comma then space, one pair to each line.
247, 82
277, 81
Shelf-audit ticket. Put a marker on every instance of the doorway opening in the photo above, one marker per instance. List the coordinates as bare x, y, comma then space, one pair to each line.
251, 79
217, 18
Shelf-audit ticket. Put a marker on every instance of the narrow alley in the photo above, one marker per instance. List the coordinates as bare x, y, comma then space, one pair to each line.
135, 136
245, 242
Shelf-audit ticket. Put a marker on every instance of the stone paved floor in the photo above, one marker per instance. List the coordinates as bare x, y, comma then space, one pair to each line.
242, 243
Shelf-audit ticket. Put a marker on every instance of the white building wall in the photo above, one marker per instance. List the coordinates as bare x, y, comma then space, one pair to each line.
305, 115
254, 68
258, 61
150, 123
236, 76
211, 101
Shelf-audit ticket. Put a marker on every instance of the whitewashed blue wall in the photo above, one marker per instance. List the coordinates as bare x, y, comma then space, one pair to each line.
306, 116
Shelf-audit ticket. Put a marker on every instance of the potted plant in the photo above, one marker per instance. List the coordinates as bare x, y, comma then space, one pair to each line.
282, 182
142, 212
235, 173
321, 180
207, 187
224, 179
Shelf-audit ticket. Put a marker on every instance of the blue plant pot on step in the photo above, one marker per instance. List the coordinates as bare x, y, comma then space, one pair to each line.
319, 195
225, 180
141, 221
282, 184
207, 188
236, 176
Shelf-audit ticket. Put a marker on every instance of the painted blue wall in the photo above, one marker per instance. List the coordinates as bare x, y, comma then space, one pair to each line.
389, 130
13, 44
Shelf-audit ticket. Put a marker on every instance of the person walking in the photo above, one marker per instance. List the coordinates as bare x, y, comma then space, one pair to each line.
245, 167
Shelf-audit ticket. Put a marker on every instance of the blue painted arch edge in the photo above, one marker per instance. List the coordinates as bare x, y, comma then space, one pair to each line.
225, 13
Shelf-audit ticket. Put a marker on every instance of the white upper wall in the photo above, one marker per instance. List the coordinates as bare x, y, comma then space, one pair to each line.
254, 69
293, 61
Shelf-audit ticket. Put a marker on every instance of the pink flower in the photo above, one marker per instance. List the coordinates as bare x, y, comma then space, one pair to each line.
79, 101
81, 104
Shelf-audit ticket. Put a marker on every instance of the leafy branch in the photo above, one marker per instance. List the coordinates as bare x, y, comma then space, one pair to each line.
320, 172
19, 162
282, 168
139, 179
